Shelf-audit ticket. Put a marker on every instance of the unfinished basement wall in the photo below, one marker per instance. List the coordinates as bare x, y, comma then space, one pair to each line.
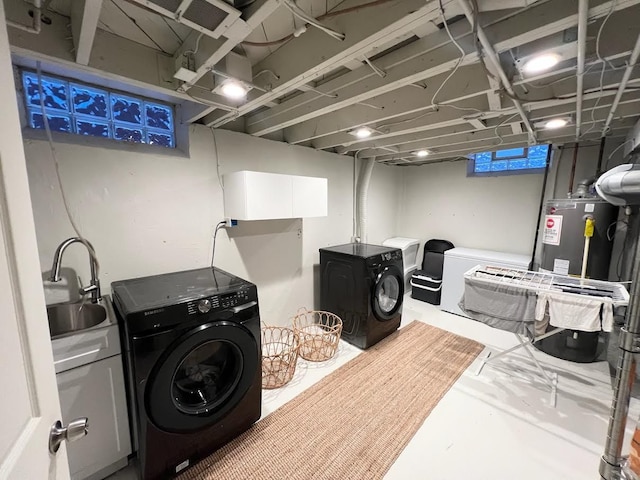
149, 213
491, 213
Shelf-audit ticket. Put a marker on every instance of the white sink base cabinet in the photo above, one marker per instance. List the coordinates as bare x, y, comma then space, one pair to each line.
92, 386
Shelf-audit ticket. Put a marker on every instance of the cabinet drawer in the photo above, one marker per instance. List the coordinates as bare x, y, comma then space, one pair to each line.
82, 348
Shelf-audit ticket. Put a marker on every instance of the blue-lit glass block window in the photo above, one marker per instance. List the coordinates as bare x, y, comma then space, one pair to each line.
523, 160
74, 107
58, 122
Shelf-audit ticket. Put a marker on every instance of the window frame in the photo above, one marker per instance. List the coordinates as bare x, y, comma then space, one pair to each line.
179, 135
471, 164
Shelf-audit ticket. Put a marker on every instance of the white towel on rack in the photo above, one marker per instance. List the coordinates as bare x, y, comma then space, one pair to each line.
576, 312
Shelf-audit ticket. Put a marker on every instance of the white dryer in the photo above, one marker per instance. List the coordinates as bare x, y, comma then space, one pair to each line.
458, 261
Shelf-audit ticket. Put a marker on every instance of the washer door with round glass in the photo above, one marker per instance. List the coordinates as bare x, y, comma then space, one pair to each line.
388, 293
201, 377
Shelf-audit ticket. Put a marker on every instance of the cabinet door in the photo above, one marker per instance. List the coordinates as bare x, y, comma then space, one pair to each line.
309, 197
268, 196
96, 391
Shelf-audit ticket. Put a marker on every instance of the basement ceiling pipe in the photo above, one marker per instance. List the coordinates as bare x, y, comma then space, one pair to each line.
623, 85
603, 139
573, 169
363, 190
583, 16
495, 60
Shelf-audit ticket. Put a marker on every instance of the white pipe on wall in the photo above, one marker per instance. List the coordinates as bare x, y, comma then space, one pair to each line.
363, 190
583, 16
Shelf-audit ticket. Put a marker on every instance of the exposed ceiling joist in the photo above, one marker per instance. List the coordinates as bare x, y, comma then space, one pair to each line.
497, 129
565, 135
316, 55
258, 14
448, 117
115, 62
516, 128
407, 66
494, 60
539, 111
468, 83
84, 23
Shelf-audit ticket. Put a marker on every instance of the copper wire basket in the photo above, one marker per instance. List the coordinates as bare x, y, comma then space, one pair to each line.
279, 356
318, 333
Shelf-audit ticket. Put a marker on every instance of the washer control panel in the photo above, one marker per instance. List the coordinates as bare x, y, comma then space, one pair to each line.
218, 302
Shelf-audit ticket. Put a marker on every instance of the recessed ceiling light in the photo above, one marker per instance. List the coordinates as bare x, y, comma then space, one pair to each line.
421, 153
556, 123
540, 63
362, 132
234, 90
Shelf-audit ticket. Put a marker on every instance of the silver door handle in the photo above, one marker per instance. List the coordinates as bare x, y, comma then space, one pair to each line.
76, 429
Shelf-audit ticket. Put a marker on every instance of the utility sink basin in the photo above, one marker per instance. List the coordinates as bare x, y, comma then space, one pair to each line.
72, 317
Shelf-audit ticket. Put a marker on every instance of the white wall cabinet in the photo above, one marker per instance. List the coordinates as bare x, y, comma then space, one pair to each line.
261, 196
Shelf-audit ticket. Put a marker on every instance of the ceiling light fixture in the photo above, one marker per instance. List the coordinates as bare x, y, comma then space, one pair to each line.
541, 63
555, 123
234, 90
421, 153
362, 132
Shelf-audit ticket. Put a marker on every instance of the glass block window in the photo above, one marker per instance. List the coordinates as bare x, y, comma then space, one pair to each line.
512, 160
73, 107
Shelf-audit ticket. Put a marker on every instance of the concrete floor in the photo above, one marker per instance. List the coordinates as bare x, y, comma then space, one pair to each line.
498, 425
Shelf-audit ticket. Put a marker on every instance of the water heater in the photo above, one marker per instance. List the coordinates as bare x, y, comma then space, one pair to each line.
563, 237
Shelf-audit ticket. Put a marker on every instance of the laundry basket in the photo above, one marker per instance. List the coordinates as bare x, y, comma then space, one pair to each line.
318, 333
279, 356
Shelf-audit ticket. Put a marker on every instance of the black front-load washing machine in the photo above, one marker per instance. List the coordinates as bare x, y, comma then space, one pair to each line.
364, 285
192, 342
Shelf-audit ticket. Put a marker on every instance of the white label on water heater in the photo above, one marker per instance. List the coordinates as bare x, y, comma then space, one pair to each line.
589, 207
561, 267
552, 229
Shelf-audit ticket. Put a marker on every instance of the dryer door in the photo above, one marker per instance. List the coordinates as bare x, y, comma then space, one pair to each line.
388, 293
203, 375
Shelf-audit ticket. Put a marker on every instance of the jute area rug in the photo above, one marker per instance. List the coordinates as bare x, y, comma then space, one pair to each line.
354, 423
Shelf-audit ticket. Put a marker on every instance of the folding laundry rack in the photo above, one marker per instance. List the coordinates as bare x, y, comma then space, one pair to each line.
517, 280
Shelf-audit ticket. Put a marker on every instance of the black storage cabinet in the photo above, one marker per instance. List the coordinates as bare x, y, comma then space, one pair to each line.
426, 283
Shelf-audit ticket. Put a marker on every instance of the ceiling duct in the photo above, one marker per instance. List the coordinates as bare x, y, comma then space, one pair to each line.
211, 17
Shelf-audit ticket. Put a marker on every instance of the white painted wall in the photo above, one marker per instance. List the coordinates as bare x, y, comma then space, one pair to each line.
149, 213
492, 213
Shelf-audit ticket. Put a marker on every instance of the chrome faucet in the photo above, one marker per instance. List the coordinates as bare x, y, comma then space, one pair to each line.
94, 284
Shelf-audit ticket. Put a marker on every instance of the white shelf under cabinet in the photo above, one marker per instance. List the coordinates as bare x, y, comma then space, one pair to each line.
261, 196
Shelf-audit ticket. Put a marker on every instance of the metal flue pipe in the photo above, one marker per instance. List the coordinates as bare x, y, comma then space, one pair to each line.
583, 16
495, 61
620, 186
610, 465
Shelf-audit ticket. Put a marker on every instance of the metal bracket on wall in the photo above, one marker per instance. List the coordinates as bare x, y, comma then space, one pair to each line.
629, 341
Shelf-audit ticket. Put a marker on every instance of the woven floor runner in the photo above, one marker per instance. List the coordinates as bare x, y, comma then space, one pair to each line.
354, 423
